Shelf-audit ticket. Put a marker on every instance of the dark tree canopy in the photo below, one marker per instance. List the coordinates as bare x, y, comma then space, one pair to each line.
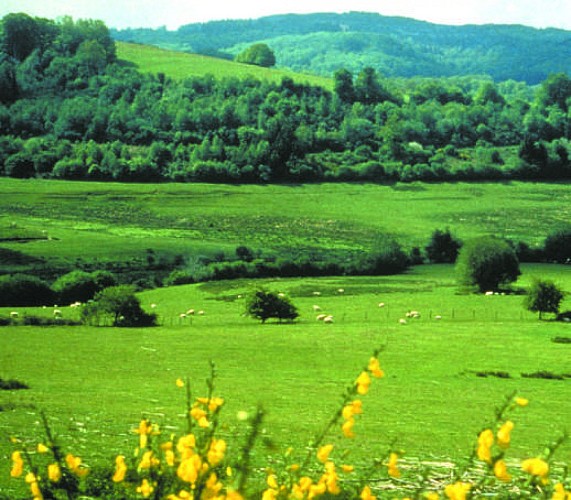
264, 305
487, 263
543, 296
258, 54
443, 247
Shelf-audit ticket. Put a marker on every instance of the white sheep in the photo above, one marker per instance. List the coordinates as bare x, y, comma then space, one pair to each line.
190, 312
14, 315
281, 295
182, 316
381, 304
489, 293
341, 290
153, 306
321, 317
438, 316
328, 319
201, 313
316, 308
57, 313
402, 321
317, 294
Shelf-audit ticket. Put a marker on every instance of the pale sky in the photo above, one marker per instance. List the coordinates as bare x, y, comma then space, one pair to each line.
173, 13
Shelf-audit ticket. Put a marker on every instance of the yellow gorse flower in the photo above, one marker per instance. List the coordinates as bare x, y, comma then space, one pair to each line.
366, 494
179, 383
216, 452
521, 401
504, 434
457, 491
375, 368
501, 471
363, 383
559, 493
144, 430
148, 460
17, 464
347, 428
42, 448
32, 480
190, 468
323, 453
536, 467
54, 473
485, 443
146, 489
392, 465
74, 465
120, 469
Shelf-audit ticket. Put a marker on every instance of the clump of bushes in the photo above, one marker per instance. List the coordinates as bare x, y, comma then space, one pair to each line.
25, 290
120, 306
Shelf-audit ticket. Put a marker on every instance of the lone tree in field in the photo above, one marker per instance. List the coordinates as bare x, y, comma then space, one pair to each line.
264, 305
120, 304
487, 263
443, 248
258, 54
544, 296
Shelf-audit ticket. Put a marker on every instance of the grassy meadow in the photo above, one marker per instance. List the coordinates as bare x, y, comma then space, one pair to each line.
440, 390
179, 65
106, 221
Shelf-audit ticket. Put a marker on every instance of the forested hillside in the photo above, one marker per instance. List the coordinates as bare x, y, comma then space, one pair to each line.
69, 109
394, 46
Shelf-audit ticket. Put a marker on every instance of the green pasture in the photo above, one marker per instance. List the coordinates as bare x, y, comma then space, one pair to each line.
179, 65
96, 383
118, 221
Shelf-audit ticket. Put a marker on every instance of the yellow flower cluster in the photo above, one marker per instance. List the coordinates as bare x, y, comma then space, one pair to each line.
536, 467
203, 407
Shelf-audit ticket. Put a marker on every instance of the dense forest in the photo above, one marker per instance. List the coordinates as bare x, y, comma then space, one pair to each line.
394, 46
69, 109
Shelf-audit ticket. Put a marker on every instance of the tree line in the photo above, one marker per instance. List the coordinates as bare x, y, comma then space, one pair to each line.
70, 110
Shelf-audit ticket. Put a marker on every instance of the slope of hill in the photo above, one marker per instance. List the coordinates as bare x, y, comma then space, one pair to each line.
323, 43
177, 65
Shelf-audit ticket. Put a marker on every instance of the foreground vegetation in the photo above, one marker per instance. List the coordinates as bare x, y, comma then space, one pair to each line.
441, 373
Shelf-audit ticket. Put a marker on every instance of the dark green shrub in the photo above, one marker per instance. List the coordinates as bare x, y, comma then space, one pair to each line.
24, 290
120, 305
386, 257
557, 246
82, 286
543, 297
487, 263
443, 247
264, 305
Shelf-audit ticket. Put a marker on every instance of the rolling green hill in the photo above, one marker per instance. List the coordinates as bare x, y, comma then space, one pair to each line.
323, 43
178, 65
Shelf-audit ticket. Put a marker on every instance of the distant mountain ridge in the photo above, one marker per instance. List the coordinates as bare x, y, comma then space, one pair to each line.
395, 46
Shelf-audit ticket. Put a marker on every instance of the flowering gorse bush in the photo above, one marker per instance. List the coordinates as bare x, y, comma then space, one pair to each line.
197, 464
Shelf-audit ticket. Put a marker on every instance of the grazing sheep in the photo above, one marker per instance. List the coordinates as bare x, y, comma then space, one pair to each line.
381, 304
190, 312
14, 315
321, 317
153, 306
402, 321
201, 313
328, 319
489, 293
341, 290
182, 316
281, 295
316, 308
317, 294
57, 313
438, 316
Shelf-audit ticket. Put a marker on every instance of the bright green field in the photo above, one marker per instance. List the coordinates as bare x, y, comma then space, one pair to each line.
118, 221
179, 65
95, 383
